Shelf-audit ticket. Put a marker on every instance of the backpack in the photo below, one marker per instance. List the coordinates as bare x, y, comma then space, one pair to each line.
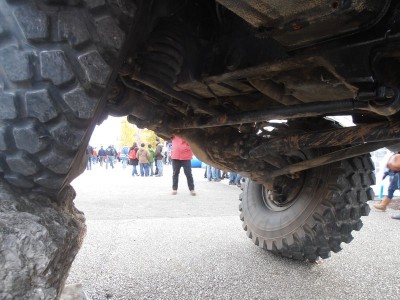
132, 154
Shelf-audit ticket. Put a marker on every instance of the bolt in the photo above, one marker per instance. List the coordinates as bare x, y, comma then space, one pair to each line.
389, 93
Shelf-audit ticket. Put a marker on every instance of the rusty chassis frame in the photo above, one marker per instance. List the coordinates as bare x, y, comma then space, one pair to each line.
358, 140
176, 109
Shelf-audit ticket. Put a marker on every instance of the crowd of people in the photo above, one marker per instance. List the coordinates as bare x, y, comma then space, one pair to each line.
102, 156
214, 174
149, 161
145, 159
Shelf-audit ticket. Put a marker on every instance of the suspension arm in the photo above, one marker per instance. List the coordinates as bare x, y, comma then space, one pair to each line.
329, 158
285, 113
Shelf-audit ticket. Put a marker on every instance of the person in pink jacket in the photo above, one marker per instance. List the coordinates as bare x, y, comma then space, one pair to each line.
181, 156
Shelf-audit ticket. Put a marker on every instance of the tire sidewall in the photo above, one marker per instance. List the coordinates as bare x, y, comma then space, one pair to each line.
269, 224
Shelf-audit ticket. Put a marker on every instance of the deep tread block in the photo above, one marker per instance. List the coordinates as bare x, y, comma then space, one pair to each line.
67, 136
54, 67
18, 180
8, 109
52, 161
3, 139
81, 105
357, 225
96, 69
72, 27
110, 33
22, 164
16, 64
39, 105
33, 23
31, 137
49, 181
364, 210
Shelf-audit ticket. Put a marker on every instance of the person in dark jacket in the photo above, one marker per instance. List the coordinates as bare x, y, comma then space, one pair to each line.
89, 151
151, 159
110, 153
159, 158
101, 155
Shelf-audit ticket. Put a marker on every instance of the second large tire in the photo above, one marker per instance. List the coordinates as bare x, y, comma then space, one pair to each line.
322, 215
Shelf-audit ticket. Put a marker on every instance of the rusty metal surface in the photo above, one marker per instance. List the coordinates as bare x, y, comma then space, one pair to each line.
329, 158
385, 131
296, 23
282, 113
193, 102
269, 12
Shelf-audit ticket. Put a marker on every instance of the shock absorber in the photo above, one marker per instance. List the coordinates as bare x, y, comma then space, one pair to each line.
162, 59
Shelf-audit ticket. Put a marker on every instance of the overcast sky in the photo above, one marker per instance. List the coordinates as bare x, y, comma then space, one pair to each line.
107, 133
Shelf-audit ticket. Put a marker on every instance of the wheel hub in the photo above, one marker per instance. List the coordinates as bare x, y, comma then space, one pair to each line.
285, 188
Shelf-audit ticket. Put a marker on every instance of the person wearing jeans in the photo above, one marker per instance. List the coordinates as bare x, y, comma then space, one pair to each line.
158, 156
181, 156
133, 159
213, 174
124, 156
110, 153
143, 157
151, 159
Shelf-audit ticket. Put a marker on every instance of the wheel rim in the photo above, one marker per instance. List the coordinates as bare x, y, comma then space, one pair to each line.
285, 188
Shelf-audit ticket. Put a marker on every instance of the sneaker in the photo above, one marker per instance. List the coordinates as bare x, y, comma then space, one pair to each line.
396, 216
174, 192
193, 193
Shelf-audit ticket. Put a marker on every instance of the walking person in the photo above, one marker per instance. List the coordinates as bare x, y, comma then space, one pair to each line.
94, 156
89, 151
151, 159
143, 157
124, 156
110, 153
213, 174
393, 166
181, 156
159, 158
133, 159
101, 154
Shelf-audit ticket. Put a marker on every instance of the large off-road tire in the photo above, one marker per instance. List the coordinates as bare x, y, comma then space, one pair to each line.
324, 206
57, 62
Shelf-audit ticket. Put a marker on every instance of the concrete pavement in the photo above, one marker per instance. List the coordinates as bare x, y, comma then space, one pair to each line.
145, 243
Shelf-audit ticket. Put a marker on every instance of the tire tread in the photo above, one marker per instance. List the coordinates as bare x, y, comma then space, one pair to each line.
333, 220
55, 65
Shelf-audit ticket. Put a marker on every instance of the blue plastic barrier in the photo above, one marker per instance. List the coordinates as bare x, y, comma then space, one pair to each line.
195, 163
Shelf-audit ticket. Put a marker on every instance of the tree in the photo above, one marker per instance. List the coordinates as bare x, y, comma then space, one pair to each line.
130, 134
148, 137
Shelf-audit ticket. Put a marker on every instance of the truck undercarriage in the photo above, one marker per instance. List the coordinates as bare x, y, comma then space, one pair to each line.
251, 85
223, 78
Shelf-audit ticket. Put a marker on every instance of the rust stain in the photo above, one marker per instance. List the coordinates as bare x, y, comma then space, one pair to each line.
222, 119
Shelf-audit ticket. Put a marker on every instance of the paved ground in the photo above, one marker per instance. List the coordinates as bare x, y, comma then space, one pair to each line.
144, 243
